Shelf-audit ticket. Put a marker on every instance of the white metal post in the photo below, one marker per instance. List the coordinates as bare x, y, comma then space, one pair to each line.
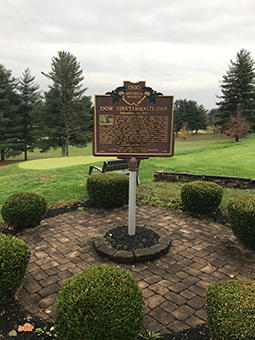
132, 203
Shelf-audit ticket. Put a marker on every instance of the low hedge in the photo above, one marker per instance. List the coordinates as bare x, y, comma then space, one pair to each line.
108, 190
14, 258
201, 197
241, 213
101, 303
230, 309
24, 209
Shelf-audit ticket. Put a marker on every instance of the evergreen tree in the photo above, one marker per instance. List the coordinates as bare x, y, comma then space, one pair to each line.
200, 119
212, 116
68, 116
9, 117
182, 114
188, 113
238, 89
29, 97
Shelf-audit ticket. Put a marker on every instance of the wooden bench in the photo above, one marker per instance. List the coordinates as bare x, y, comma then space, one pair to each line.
119, 165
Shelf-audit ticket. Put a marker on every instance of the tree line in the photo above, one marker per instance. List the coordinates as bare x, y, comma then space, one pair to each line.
59, 117
235, 112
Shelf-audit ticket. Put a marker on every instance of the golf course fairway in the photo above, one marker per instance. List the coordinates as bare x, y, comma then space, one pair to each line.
61, 162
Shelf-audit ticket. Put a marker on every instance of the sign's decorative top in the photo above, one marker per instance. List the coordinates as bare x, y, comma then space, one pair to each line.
120, 91
133, 120
151, 94
117, 93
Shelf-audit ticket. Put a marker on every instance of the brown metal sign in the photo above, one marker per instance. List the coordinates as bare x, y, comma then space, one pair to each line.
133, 120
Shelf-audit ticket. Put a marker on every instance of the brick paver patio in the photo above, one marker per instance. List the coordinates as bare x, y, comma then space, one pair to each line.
174, 286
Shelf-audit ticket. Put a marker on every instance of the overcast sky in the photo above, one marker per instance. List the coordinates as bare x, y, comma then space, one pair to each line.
179, 47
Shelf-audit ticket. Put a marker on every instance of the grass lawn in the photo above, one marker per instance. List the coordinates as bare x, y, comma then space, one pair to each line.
202, 157
63, 180
59, 186
200, 140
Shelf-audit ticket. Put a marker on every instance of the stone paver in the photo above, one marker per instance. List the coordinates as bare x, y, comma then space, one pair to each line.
174, 285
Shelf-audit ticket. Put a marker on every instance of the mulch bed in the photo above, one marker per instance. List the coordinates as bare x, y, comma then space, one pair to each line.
9, 162
119, 238
12, 316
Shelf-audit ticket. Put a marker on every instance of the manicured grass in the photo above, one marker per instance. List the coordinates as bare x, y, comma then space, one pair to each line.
200, 140
59, 186
201, 153
231, 159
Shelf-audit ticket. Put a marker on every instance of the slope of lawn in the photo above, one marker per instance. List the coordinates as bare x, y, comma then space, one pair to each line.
200, 140
226, 159
59, 186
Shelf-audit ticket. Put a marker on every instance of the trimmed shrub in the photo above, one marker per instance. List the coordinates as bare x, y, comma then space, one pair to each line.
24, 209
241, 213
230, 309
14, 257
101, 303
201, 197
108, 190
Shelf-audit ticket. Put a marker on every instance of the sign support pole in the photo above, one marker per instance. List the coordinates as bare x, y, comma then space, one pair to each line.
132, 164
132, 203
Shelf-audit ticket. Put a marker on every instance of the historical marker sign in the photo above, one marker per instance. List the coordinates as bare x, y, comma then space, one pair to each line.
133, 120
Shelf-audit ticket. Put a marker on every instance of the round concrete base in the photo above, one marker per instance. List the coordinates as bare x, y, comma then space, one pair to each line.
124, 256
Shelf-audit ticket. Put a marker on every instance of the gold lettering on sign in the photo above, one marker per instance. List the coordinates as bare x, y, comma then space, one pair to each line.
162, 108
134, 87
106, 108
135, 133
138, 109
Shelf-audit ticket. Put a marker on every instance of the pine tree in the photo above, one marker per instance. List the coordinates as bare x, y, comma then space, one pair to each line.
200, 118
190, 114
238, 89
68, 115
29, 98
9, 117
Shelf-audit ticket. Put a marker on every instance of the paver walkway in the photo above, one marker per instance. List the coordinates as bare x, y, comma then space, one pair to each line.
174, 286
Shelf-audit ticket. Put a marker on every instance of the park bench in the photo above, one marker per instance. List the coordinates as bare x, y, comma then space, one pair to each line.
119, 165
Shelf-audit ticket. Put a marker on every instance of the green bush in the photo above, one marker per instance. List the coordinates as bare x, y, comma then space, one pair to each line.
24, 209
241, 213
101, 303
201, 197
14, 257
108, 190
230, 309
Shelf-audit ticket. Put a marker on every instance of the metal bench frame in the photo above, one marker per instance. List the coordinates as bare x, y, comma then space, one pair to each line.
119, 165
